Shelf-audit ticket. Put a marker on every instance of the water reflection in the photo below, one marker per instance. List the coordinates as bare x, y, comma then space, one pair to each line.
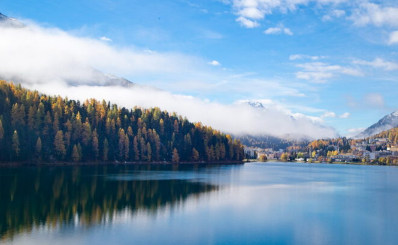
84, 196
271, 203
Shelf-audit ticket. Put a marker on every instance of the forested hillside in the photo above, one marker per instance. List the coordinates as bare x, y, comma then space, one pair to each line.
391, 135
37, 127
325, 144
268, 142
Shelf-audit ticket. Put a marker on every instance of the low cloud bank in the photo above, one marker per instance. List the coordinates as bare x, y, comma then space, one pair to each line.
237, 119
55, 62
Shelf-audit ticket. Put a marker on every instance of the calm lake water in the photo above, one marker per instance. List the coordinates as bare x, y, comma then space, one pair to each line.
255, 203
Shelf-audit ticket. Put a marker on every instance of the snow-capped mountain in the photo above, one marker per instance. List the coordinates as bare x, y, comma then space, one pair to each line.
10, 22
388, 122
290, 115
260, 106
293, 118
255, 104
98, 78
3, 17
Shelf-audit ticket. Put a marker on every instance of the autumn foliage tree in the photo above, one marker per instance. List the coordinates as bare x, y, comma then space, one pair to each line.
59, 145
176, 157
52, 128
195, 155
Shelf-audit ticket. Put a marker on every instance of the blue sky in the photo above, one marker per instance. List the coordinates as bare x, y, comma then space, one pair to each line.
335, 60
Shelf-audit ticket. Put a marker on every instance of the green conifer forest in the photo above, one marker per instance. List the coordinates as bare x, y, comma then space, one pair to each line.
35, 127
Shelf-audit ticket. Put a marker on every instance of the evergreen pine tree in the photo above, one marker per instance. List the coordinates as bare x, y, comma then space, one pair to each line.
38, 149
75, 154
126, 147
15, 143
59, 145
105, 150
136, 151
95, 147
176, 157
1, 131
149, 152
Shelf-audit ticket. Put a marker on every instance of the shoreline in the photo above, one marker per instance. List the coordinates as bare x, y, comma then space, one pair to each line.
55, 164
342, 163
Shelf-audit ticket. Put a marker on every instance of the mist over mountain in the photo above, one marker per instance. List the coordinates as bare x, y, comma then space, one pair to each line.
96, 78
92, 77
388, 122
58, 63
292, 118
10, 22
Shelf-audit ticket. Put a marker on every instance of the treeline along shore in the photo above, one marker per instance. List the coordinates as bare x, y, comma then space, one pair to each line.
37, 128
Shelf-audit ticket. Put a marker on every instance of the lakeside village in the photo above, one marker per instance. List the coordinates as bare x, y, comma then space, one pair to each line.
380, 151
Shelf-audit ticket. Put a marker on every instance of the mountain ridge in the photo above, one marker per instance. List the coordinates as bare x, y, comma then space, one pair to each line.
387, 122
10, 22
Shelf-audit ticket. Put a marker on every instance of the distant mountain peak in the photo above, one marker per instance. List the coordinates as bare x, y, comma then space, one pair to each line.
10, 22
3, 17
255, 104
388, 122
252, 103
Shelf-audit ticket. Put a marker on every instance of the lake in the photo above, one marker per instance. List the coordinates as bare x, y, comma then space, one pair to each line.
255, 203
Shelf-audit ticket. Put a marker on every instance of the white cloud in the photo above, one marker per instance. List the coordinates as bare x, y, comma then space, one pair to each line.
39, 54
252, 13
355, 130
336, 13
352, 132
44, 58
374, 14
214, 63
302, 56
326, 18
378, 63
345, 115
328, 114
278, 30
319, 72
211, 34
254, 10
106, 39
247, 23
393, 39
236, 118
316, 120
273, 30
374, 100
287, 31
379, 16
368, 101
239, 85
331, 114
284, 107
296, 57
360, 12
315, 77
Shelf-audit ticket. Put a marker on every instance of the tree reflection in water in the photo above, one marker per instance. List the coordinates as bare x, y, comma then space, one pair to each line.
53, 196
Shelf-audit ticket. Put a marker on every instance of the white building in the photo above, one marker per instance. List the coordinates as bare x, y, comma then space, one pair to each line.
370, 155
250, 151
